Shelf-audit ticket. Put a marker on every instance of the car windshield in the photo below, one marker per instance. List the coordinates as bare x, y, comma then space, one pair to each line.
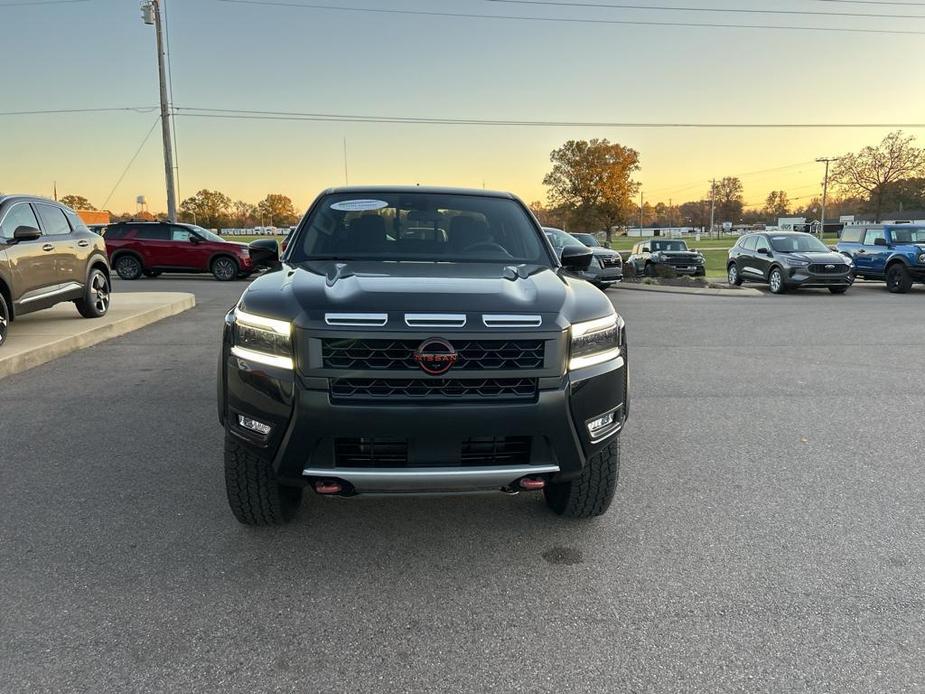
908, 235
798, 243
206, 234
439, 227
560, 239
587, 239
668, 245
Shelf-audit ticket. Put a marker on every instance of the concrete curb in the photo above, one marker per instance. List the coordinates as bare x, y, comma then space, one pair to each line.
46, 335
702, 291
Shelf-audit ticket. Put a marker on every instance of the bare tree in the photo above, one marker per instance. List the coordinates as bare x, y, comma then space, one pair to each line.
871, 171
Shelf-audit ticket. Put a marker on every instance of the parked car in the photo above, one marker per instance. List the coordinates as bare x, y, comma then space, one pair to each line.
480, 364
787, 260
891, 253
647, 256
606, 267
47, 256
150, 248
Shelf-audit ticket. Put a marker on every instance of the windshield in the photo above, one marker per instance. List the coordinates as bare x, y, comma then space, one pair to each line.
587, 239
419, 227
798, 243
908, 235
668, 246
206, 234
560, 239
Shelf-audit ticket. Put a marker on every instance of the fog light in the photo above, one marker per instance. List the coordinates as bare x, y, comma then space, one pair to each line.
254, 425
602, 422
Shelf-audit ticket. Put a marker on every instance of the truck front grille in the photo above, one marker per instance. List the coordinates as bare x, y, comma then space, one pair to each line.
398, 355
496, 450
370, 452
447, 389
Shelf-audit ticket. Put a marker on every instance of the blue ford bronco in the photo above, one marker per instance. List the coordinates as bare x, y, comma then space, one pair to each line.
895, 253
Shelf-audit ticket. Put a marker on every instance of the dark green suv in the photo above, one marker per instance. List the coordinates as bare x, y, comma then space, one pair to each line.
48, 255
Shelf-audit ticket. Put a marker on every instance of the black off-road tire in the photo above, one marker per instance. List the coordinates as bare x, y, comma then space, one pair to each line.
96, 298
128, 267
898, 279
590, 493
649, 270
4, 319
255, 497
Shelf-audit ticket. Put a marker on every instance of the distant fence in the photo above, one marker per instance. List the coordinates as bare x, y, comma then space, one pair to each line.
256, 231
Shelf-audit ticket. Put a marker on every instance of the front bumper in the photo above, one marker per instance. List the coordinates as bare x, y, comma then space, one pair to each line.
309, 426
802, 277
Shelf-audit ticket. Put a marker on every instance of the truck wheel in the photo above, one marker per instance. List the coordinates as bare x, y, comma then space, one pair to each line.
95, 301
898, 280
4, 319
128, 267
255, 497
590, 493
649, 270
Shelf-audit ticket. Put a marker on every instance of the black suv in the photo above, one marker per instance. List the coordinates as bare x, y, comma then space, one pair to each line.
647, 256
47, 256
787, 260
421, 340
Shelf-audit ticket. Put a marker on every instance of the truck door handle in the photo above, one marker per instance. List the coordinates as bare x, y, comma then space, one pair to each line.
83, 243
48, 247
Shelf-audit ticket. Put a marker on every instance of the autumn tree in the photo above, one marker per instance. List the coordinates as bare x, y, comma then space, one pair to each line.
777, 204
277, 209
243, 213
208, 208
696, 213
547, 216
871, 171
591, 181
728, 199
76, 202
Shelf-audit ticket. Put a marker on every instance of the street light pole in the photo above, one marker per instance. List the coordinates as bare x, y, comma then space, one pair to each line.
712, 204
151, 14
825, 191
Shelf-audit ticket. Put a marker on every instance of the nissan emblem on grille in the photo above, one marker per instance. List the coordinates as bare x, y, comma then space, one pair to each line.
435, 356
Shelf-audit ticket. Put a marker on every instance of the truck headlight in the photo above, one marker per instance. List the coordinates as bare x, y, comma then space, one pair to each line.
595, 341
262, 340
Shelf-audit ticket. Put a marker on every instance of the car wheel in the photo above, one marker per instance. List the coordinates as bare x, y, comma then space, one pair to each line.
128, 267
590, 493
649, 270
776, 281
4, 319
733, 275
224, 269
898, 279
95, 301
255, 496
838, 290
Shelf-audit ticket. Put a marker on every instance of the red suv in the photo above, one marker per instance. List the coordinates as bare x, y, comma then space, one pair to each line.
150, 248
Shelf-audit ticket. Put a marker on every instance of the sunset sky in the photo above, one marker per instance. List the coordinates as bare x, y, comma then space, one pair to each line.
98, 53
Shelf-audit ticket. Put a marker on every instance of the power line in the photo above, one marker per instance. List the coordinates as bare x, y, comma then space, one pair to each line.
36, 3
683, 187
875, 2
131, 161
569, 20
135, 109
737, 10
245, 114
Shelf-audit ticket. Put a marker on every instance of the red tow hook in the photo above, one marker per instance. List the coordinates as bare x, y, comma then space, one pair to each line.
328, 487
532, 483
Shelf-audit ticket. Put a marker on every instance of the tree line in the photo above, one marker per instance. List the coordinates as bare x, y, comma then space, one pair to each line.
591, 187
215, 210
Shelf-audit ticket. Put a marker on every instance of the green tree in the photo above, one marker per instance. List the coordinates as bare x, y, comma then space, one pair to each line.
870, 172
76, 202
243, 214
729, 200
207, 208
591, 182
777, 204
277, 210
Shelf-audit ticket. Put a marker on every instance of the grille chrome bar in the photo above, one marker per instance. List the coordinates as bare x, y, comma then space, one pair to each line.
502, 320
357, 320
435, 320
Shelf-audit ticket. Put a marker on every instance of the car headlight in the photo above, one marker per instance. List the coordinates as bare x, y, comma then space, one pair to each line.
262, 340
795, 262
922, 258
596, 341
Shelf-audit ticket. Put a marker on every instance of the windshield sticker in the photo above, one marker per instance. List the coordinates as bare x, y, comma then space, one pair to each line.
358, 205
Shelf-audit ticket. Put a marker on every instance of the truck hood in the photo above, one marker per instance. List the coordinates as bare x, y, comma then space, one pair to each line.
304, 293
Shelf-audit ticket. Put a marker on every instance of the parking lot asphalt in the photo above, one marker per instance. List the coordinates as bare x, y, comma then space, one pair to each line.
767, 533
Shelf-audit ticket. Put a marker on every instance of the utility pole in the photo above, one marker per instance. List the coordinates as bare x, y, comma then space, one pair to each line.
825, 191
640, 212
712, 204
151, 14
